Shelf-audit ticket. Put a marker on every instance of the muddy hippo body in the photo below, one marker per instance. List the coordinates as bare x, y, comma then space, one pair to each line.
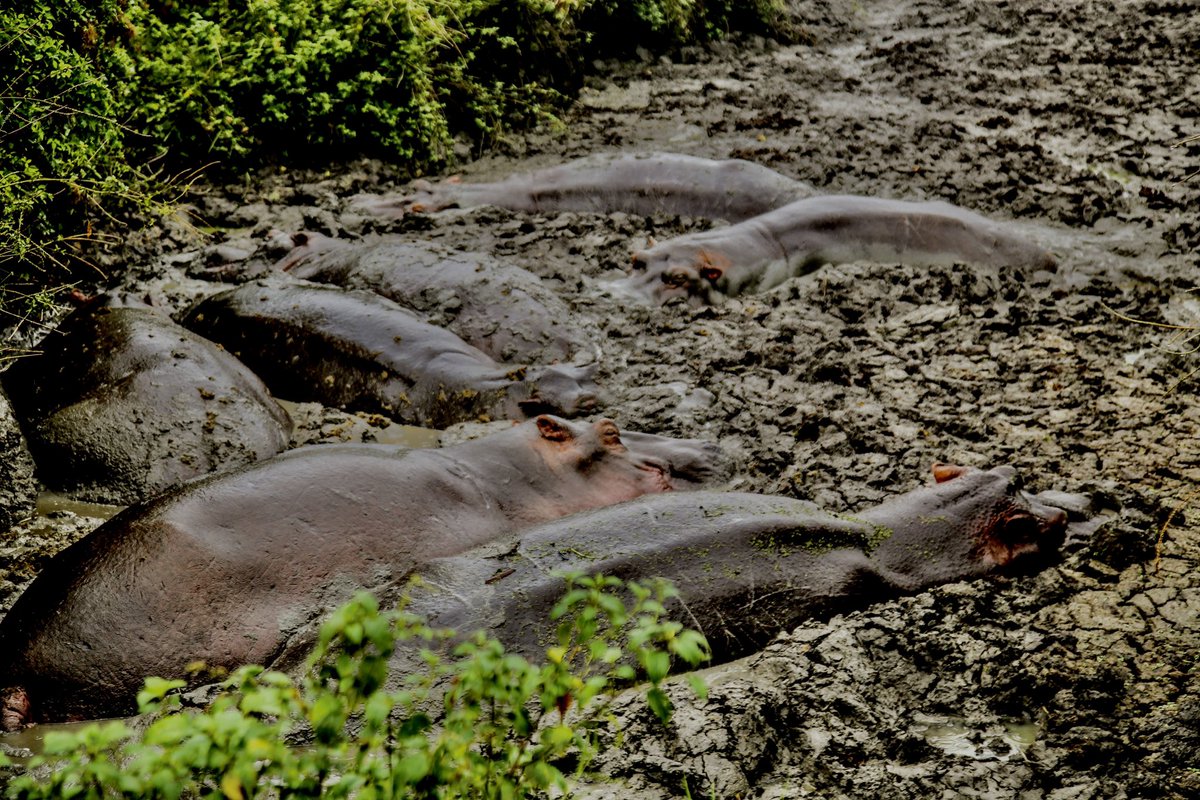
503, 310
747, 566
228, 569
647, 183
359, 351
763, 252
122, 403
18, 486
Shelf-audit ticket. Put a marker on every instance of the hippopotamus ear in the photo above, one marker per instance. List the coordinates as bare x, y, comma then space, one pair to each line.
711, 265
553, 429
947, 472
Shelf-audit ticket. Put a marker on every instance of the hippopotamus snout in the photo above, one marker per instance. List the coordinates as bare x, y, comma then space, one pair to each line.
664, 276
563, 389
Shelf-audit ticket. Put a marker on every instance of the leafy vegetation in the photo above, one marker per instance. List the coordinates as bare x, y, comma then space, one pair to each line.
506, 728
103, 98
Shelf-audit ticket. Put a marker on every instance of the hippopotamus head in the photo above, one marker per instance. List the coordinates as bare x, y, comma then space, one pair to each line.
423, 198
970, 523
608, 470
679, 269
299, 246
563, 389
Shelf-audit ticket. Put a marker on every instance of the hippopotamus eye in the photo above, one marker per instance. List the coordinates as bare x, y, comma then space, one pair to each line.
639, 263
711, 274
674, 277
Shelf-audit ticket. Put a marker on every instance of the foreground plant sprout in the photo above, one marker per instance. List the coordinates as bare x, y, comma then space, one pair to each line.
506, 727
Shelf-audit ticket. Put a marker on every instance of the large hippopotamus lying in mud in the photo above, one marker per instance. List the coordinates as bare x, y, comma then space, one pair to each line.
227, 568
359, 351
645, 183
766, 250
122, 403
748, 566
500, 308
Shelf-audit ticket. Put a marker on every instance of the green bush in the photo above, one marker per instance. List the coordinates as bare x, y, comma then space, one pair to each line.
63, 162
96, 90
506, 727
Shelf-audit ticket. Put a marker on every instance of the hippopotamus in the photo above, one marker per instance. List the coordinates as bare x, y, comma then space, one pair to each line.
746, 566
122, 403
359, 351
500, 308
227, 568
18, 487
766, 250
636, 183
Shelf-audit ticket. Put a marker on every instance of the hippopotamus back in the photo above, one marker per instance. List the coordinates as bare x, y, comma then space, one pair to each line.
746, 566
123, 403
766, 250
636, 183
358, 350
231, 569
500, 308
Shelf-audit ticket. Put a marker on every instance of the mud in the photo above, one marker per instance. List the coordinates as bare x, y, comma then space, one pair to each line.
842, 387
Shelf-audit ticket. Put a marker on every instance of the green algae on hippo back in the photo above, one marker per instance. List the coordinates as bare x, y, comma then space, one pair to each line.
360, 351
636, 183
764, 251
748, 566
498, 307
238, 568
122, 403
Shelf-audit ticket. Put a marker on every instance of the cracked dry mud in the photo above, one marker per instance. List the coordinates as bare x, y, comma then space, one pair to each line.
845, 385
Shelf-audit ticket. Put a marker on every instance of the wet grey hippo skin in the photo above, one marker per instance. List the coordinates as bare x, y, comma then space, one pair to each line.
764, 251
500, 308
122, 403
18, 487
646, 183
227, 568
747, 566
359, 351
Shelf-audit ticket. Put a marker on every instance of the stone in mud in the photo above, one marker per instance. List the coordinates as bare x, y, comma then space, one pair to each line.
639, 183
18, 487
500, 308
226, 569
359, 351
747, 566
764, 251
122, 403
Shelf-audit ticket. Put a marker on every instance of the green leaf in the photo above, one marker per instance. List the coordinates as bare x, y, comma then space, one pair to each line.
660, 704
657, 664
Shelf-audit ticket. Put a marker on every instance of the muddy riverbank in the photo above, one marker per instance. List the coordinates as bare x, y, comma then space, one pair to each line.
843, 386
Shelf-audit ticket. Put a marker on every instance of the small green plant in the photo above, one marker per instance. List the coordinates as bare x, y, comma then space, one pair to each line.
504, 727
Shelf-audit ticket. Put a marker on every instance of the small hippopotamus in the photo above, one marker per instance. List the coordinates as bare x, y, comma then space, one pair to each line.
227, 568
500, 308
122, 403
359, 351
645, 183
746, 566
766, 250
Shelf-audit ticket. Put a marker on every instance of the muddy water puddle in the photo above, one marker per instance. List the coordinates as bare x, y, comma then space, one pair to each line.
957, 736
25, 744
49, 503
